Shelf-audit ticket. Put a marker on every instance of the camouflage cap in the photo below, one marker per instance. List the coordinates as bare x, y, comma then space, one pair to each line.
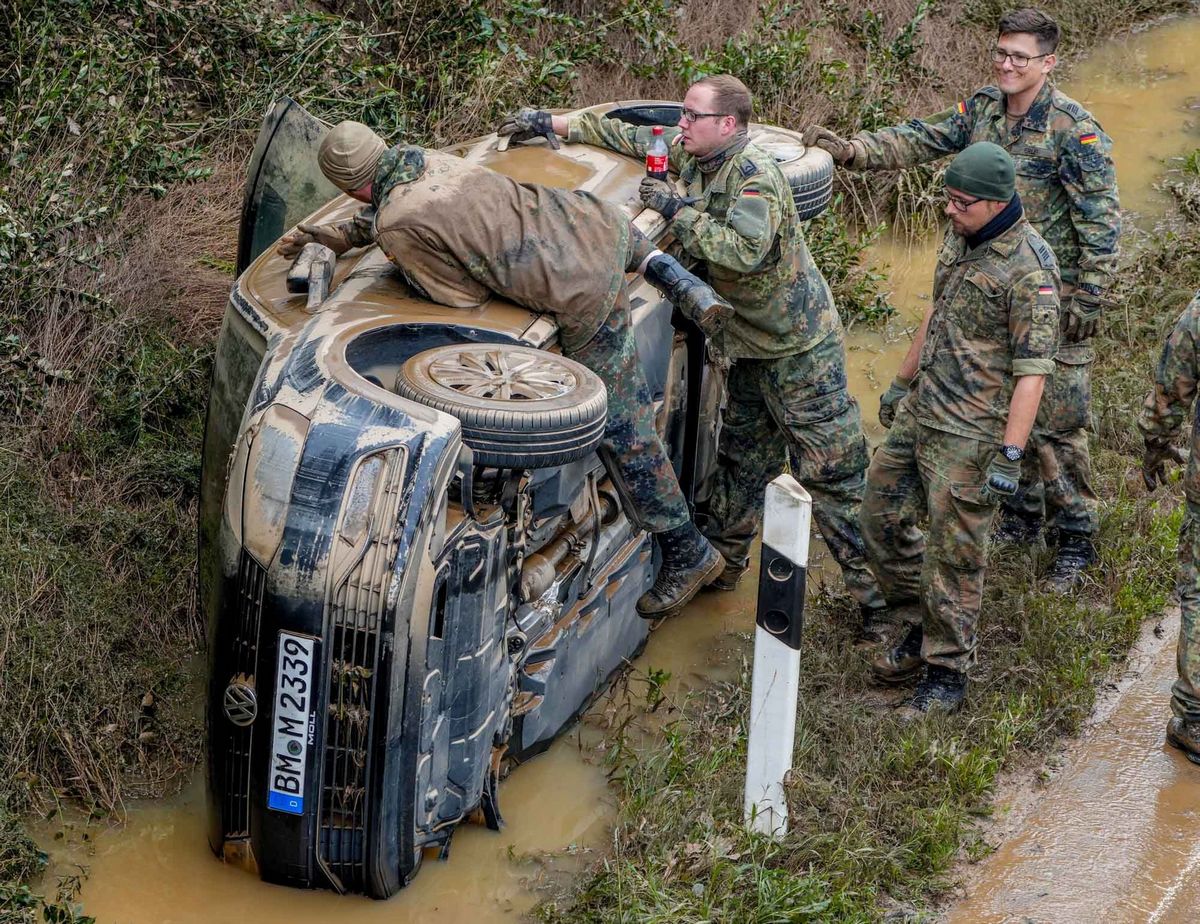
985, 170
349, 155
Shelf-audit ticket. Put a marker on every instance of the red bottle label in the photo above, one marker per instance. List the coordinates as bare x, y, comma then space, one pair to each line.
656, 164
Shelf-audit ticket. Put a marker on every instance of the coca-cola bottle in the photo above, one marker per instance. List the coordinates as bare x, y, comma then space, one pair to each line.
657, 156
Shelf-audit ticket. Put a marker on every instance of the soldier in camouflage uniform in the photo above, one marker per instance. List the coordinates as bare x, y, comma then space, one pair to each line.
1161, 420
1068, 187
460, 232
787, 387
976, 368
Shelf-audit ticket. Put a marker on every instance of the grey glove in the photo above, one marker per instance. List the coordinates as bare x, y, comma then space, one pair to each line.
662, 197
839, 148
890, 398
527, 124
1081, 315
1159, 451
330, 236
1001, 478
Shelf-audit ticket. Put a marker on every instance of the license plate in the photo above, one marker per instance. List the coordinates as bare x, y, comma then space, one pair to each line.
294, 723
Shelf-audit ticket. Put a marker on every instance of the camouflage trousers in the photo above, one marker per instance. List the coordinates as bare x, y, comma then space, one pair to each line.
936, 578
1185, 693
1056, 476
796, 406
632, 451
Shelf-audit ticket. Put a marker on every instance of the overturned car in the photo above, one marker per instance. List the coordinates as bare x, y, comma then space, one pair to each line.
415, 570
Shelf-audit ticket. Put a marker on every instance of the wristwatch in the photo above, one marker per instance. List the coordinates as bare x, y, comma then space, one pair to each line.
1090, 288
1013, 453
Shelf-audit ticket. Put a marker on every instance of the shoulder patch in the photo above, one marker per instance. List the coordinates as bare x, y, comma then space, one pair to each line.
748, 168
991, 92
1070, 107
1044, 254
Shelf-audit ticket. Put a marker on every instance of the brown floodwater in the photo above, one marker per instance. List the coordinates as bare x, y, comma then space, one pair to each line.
1139, 803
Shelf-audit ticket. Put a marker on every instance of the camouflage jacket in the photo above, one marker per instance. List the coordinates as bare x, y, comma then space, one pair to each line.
1065, 173
1174, 391
460, 232
994, 318
744, 226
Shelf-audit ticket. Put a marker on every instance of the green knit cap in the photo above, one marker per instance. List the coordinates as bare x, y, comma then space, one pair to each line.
984, 170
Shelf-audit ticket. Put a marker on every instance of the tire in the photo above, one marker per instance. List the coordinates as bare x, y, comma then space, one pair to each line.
808, 170
557, 417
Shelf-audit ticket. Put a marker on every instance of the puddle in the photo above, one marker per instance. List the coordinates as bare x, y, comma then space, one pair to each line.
158, 868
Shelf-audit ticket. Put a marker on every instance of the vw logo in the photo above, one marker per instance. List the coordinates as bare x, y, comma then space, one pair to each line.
241, 702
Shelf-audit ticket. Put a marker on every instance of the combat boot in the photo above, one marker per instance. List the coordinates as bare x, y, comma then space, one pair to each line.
729, 578
1185, 735
1017, 526
689, 563
940, 690
902, 662
688, 292
874, 627
1075, 553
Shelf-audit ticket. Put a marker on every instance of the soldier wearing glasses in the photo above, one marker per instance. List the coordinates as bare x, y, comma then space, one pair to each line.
1068, 186
787, 387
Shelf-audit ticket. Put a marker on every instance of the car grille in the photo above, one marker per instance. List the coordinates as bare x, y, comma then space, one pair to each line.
354, 615
235, 808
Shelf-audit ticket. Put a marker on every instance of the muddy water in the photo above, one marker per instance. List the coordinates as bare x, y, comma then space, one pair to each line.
158, 869
1114, 837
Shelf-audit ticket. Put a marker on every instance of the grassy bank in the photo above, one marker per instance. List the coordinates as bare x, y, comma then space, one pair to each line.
124, 127
880, 809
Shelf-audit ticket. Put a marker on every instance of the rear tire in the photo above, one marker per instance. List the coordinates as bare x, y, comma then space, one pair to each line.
809, 171
519, 407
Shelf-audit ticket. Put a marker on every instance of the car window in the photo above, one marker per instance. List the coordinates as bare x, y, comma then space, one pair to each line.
284, 183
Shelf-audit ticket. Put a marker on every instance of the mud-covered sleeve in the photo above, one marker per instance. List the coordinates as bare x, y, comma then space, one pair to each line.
1165, 408
917, 141
593, 128
1033, 323
1090, 179
742, 240
359, 229
429, 269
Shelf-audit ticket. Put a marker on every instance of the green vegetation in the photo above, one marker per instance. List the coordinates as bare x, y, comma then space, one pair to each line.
122, 125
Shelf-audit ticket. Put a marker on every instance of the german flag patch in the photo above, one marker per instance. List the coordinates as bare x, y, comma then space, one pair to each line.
751, 192
962, 107
1045, 290
1089, 138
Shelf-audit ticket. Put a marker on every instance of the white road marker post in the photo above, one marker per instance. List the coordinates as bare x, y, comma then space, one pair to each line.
775, 682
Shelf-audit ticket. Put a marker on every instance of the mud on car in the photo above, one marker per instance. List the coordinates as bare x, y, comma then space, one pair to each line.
415, 570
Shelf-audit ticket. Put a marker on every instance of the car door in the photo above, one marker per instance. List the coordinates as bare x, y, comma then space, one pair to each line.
284, 183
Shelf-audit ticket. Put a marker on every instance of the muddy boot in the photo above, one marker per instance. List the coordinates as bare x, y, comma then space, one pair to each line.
729, 578
1017, 526
1185, 735
688, 563
902, 662
940, 690
876, 623
688, 292
1075, 553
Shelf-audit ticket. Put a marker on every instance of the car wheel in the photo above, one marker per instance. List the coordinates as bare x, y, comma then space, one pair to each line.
809, 171
519, 407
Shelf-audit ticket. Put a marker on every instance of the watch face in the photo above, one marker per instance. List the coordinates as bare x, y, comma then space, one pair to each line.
1012, 453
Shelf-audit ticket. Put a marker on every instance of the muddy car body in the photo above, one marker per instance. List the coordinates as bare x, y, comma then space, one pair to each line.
395, 614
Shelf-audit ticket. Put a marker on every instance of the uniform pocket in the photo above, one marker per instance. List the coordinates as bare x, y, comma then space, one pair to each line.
1035, 176
978, 311
971, 493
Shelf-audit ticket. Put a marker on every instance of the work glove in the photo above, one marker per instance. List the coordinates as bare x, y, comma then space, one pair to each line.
527, 124
839, 148
1081, 315
662, 197
890, 398
294, 241
1159, 451
1001, 478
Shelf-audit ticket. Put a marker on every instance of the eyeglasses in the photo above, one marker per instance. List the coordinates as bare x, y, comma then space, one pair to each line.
691, 115
999, 56
958, 203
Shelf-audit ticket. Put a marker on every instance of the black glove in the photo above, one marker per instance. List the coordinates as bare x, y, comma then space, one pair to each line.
1159, 451
527, 124
661, 196
1001, 478
1081, 315
890, 398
